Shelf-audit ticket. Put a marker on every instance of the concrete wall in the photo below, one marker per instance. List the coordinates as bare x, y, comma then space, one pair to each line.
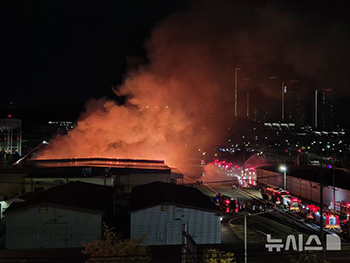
161, 228
55, 228
303, 188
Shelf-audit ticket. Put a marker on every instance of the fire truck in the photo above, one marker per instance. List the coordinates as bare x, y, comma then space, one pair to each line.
341, 208
309, 212
229, 205
273, 194
291, 203
329, 220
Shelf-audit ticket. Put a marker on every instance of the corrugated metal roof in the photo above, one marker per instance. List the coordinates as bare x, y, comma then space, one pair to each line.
73, 195
157, 193
100, 162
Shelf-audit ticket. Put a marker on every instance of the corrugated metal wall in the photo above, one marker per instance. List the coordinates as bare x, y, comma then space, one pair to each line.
55, 228
161, 228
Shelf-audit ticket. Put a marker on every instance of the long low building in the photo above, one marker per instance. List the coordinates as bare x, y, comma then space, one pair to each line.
304, 182
39, 175
61, 217
122, 174
163, 212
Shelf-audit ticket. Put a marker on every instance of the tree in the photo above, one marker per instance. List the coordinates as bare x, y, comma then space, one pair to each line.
111, 248
216, 256
307, 257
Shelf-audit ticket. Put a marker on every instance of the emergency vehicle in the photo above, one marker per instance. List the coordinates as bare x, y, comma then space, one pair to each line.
291, 203
273, 194
341, 208
309, 212
229, 205
329, 220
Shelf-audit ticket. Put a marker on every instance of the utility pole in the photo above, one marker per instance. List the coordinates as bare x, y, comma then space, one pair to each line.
322, 256
245, 237
283, 100
183, 243
333, 168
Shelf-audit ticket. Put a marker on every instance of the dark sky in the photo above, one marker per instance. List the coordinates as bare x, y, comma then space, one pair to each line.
63, 51
57, 52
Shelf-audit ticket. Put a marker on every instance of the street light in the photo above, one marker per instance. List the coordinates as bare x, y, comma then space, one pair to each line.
283, 168
236, 89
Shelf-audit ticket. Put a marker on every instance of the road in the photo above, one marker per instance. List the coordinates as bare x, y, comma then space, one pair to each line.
279, 224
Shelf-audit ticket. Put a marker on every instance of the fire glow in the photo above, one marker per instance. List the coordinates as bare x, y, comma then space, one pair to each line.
175, 106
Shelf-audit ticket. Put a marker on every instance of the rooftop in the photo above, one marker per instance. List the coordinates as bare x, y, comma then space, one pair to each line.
100, 162
74, 195
80, 167
157, 193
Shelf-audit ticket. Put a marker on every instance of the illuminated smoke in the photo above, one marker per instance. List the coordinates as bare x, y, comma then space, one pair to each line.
181, 103
177, 106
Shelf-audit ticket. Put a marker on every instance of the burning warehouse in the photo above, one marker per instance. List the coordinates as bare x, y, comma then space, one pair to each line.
123, 174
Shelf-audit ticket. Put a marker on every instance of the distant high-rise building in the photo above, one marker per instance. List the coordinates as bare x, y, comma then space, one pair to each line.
323, 109
11, 135
294, 103
265, 103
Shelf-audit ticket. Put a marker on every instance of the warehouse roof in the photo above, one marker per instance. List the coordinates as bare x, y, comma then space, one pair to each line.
157, 193
100, 162
73, 195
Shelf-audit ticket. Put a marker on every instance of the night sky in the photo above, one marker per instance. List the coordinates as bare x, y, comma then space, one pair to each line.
65, 52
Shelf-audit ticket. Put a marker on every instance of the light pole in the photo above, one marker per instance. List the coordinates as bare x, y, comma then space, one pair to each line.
283, 168
245, 238
283, 92
236, 89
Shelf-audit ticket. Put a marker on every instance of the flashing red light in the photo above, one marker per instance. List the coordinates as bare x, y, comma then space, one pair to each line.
313, 208
227, 210
227, 201
9, 116
299, 151
236, 210
286, 151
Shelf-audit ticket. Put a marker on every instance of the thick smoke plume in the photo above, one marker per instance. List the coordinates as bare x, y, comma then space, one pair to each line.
181, 103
